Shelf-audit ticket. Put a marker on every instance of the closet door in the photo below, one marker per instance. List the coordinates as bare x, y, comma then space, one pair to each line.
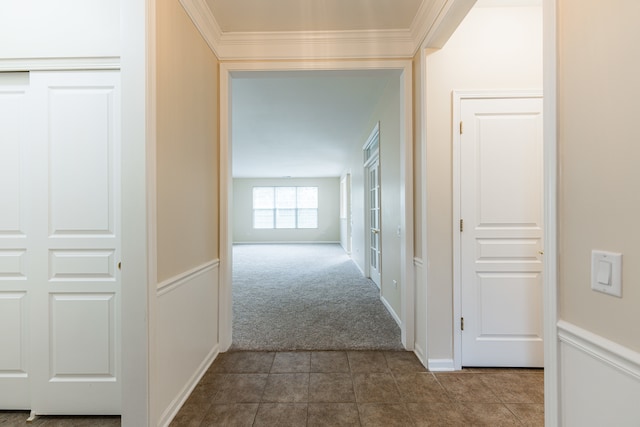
14, 237
74, 280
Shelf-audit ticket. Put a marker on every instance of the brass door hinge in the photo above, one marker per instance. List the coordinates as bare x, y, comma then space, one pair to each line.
461, 128
461, 225
462, 323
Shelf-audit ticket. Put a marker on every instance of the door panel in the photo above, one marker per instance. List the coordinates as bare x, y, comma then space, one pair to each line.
81, 160
75, 307
14, 386
74, 265
501, 206
78, 351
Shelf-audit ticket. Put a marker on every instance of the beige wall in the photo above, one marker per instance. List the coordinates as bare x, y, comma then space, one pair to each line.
187, 144
599, 189
184, 313
328, 211
493, 48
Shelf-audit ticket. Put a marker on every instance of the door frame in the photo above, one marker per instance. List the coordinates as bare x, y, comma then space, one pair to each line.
457, 98
406, 197
345, 210
367, 206
552, 393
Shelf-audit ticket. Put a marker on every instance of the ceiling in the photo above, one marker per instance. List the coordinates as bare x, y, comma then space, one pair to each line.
313, 15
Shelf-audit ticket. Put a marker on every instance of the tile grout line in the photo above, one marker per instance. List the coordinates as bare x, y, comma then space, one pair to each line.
264, 389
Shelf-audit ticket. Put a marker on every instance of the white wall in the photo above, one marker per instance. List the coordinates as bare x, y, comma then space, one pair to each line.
59, 29
328, 211
388, 113
494, 48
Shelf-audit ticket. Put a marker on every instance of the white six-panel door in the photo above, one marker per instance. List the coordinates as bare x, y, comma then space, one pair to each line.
501, 205
66, 269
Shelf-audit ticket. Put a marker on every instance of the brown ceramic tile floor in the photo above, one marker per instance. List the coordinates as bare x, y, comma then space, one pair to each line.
344, 388
358, 388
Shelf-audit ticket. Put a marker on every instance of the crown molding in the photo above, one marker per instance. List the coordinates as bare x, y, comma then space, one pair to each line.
389, 44
436, 32
205, 22
425, 19
307, 45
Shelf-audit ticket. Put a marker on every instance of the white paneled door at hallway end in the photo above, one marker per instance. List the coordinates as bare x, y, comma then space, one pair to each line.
60, 243
500, 230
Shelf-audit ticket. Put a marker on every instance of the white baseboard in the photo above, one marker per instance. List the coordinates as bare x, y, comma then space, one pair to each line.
359, 268
420, 354
391, 311
441, 365
599, 380
173, 409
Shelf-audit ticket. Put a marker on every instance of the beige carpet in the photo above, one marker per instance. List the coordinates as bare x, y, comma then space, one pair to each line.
306, 297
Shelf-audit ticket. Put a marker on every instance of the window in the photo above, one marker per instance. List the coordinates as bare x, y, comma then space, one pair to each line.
285, 207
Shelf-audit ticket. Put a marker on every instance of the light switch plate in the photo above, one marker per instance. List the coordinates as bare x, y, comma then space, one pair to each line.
606, 265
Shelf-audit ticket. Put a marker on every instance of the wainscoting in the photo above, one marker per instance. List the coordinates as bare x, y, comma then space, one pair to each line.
599, 380
187, 340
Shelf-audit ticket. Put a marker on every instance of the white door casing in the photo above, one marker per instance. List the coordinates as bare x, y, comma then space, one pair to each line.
345, 212
499, 264
70, 228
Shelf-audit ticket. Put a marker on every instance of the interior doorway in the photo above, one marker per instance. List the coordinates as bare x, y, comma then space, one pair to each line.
228, 73
498, 170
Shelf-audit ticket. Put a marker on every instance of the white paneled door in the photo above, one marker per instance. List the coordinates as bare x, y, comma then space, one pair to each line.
62, 277
501, 208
